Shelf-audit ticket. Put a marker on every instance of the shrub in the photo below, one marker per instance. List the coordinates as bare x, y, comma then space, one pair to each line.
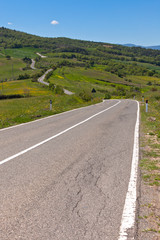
8, 57
107, 95
58, 90
149, 83
157, 98
11, 96
23, 76
85, 96
48, 75
51, 86
154, 89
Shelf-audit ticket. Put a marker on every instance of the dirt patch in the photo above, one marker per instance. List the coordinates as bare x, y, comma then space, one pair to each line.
108, 46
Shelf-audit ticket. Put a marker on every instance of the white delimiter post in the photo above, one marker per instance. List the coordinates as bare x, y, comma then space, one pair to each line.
50, 105
146, 105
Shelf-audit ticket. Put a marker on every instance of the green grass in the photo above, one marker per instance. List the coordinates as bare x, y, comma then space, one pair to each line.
75, 79
20, 86
21, 52
17, 111
10, 69
149, 164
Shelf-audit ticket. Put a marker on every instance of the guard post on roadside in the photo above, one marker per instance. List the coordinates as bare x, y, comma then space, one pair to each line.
50, 105
142, 98
146, 105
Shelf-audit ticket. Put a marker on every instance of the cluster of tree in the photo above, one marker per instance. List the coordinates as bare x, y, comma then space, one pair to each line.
35, 76
122, 69
11, 96
122, 92
23, 76
27, 60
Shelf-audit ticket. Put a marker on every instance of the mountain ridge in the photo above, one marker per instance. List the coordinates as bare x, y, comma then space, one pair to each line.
156, 47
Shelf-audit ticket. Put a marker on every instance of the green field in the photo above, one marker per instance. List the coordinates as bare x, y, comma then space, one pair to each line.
76, 79
21, 52
10, 69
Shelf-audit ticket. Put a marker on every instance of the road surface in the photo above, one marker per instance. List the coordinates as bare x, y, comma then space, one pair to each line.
33, 64
41, 55
66, 177
41, 79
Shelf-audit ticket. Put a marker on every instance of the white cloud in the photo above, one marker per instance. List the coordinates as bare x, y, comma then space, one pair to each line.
9, 23
54, 22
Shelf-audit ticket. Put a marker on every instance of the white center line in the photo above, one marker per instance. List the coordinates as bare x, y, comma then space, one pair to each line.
129, 211
49, 139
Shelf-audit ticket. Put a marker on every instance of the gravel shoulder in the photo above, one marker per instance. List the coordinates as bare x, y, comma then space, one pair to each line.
149, 201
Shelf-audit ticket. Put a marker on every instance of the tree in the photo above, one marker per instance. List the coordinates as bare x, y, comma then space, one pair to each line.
8, 57
51, 86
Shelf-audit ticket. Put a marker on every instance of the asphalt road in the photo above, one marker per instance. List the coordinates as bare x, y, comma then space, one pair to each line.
73, 185
33, 64
41, 79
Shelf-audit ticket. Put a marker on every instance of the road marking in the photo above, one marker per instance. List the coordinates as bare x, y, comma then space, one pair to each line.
44, 118
57, 135
129, 211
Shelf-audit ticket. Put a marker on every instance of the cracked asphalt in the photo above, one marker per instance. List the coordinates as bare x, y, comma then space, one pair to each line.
74, 186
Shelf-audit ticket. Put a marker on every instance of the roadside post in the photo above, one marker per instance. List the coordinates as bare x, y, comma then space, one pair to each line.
146, 105
134, 97
50, 105
142, 98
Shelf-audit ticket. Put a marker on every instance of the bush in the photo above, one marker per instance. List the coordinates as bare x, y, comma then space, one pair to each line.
154, 89
149, 83
23, 76
157, 98
8, 57
51, 86
58, 90
48, 75
107, 95
11, 96
27, 60
121, 91
37, 75
85, 96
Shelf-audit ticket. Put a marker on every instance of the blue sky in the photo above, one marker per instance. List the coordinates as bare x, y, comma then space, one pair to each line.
112, 21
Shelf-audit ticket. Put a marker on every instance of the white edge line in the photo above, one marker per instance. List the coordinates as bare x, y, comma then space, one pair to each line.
48, 139
44, 118
129, 211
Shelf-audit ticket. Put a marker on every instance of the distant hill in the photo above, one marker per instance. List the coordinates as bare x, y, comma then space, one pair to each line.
117, 59
130, 45
154, 47
148, 47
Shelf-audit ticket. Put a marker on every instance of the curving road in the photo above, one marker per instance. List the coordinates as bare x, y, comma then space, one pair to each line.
66, 177
41, 80
33, 64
